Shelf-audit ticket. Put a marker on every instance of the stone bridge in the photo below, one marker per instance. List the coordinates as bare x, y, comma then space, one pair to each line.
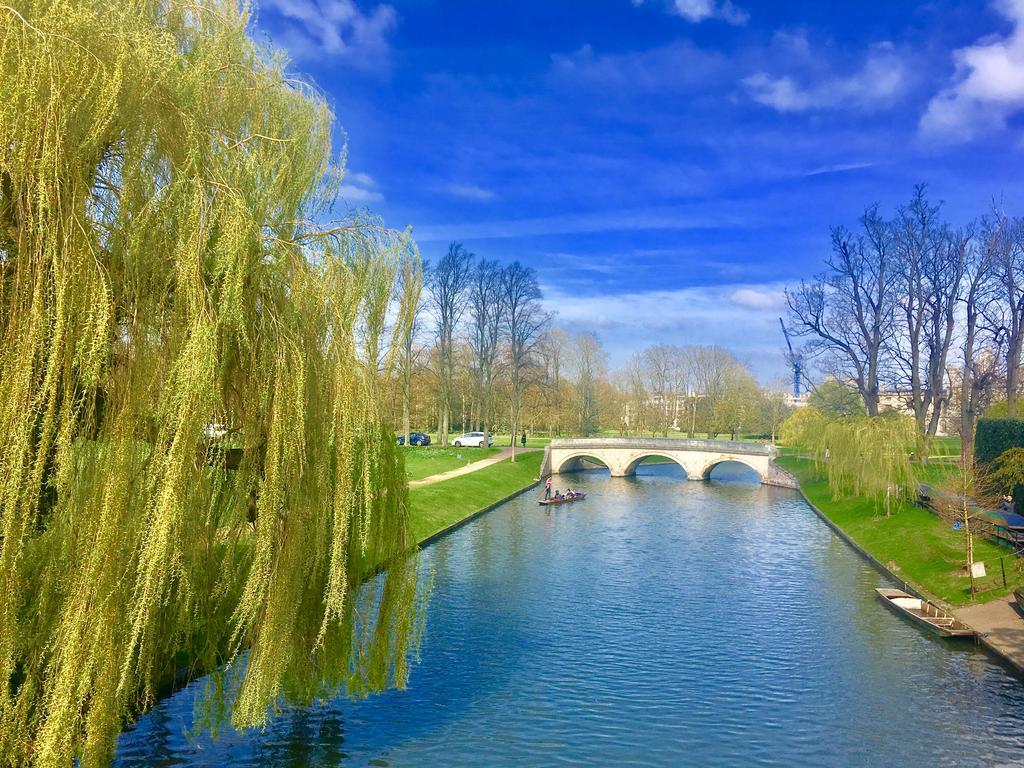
622, 455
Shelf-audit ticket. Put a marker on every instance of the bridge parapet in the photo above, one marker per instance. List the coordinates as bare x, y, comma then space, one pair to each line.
667, 443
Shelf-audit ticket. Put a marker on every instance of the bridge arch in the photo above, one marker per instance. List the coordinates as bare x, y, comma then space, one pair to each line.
630, 468
709, 467
565, 461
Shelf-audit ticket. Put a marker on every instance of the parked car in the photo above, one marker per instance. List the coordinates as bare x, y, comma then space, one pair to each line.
415, 438
471, 439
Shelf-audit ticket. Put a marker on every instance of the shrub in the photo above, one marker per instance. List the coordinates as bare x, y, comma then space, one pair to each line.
993, 437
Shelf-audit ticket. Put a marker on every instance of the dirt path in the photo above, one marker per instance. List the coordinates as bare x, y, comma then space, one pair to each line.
471, 467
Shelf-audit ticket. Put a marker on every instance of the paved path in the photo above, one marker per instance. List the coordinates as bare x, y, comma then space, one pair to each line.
471, 467
999, 626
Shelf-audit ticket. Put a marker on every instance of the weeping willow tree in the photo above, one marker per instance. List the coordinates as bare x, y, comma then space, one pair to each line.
862, 455
195, 470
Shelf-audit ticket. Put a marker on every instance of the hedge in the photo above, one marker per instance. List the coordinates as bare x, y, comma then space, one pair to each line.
993, 436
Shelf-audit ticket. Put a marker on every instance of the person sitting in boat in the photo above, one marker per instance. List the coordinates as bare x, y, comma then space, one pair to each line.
569, 493
558, 495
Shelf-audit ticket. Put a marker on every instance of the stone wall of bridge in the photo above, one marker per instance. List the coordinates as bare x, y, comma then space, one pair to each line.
622, 455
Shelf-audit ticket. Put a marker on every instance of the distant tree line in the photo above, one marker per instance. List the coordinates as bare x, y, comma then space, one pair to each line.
482, 354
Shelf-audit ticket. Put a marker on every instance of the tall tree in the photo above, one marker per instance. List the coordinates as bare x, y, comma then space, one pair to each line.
710, 368
775, 407
552, 351
1005, 243
847, 312
410, 289
525, 321
930, 259
447, 285
979, 345
194, 456
945, 276
633, 382
917, 233
659, 366
589, 362
486, 311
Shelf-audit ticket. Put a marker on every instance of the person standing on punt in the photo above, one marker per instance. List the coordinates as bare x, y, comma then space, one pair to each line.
547, 488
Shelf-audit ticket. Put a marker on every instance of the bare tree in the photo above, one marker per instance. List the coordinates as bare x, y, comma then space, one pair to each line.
633, 382
589, 363
979, 346
709, 368
1005, 243
659, 367
410, 288
775, 407
486, 310
525, 321
847, 312
945, 276
930, 259
446, 291
551, 351
917, 232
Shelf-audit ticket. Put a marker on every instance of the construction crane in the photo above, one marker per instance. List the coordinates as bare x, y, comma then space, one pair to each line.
796, 362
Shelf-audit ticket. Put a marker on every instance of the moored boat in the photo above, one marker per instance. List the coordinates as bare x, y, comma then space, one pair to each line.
568, 500
924, 613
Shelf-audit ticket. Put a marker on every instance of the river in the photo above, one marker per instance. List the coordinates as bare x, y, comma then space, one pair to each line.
659, 622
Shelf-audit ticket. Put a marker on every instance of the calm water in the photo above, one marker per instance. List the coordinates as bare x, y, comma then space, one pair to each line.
660, 622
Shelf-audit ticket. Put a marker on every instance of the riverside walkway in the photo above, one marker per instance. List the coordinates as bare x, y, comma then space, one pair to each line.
505, 453
999, 627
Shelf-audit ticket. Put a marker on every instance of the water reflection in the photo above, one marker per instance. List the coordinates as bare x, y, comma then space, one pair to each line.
660, 622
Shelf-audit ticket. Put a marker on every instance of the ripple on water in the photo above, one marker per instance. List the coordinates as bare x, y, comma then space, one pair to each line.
659, 623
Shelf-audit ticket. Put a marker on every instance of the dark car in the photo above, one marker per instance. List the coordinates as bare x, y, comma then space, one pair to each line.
415, 438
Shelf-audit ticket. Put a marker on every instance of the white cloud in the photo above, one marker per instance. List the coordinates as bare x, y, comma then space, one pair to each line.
333, 28
700, 10
471, 192
877, 83
838, 168
697, 11
626, 322
987, 88
772, 299
359, 187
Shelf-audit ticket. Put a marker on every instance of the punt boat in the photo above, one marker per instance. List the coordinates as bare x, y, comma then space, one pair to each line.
553, 502
924, 613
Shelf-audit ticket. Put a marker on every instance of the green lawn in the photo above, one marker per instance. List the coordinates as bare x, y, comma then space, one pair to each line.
945, 446
925, 549
423, 462
437, 506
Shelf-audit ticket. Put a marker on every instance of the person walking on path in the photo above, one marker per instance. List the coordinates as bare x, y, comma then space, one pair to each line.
547, 488
522, 440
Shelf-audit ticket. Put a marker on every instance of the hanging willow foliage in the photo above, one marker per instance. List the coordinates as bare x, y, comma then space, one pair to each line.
863, 455
194, 468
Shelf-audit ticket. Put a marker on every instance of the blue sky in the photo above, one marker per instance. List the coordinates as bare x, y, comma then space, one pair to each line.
667, 166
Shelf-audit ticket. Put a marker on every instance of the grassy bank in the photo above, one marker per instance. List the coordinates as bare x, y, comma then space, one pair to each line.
925, 550
435, 507
423, 462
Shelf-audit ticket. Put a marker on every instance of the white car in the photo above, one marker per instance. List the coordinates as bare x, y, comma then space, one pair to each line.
476, 439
